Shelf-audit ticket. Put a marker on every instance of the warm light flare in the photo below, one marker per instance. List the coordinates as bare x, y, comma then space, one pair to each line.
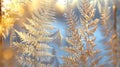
6, 2
34, 4
60, 5
5, 26
11, 9
61, 2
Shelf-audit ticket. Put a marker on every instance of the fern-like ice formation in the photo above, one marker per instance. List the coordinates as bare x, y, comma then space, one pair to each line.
88, 25
110, 32
76, 47
11, 11
33, 49
82, 40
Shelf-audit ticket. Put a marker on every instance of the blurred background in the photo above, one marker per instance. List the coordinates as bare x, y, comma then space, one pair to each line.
7, 58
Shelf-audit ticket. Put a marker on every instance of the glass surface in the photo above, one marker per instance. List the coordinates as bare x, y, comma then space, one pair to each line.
60, 33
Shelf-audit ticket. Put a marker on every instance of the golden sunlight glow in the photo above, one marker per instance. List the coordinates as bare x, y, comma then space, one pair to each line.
60, 5
6, 2
11, 9
1, 29
61, 2
34, 5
